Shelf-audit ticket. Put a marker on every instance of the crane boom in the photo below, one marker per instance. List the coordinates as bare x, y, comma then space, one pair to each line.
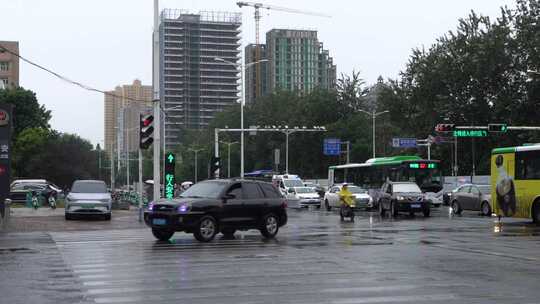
258, 7
280, 8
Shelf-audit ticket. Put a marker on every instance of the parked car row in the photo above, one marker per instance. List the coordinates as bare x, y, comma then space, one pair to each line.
23, 189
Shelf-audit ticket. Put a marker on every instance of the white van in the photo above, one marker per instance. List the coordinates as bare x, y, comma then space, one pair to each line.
286, 182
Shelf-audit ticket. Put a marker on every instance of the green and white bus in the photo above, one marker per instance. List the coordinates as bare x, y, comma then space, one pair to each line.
374, 172
515, 182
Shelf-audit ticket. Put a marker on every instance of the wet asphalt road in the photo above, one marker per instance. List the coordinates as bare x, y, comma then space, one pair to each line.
315, 259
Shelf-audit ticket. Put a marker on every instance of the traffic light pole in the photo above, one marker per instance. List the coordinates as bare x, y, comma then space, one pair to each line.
140, 187
156, 101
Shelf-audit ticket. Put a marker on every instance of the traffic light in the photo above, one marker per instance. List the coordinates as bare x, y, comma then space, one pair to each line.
170, 178
215, 165
497, 128
145, 131
444, 127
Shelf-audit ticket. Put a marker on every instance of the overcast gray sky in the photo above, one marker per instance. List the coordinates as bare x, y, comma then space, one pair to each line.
104, 43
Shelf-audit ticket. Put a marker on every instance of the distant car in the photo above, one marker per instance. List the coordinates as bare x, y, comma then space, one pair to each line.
214, 206
472, 197
88, 197
318, 188
35, 187
402, 197
435, 198
306, 196
362, 199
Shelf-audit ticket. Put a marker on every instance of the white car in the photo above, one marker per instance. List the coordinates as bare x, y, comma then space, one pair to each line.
88, 197
306, 196
436, 199
362, 198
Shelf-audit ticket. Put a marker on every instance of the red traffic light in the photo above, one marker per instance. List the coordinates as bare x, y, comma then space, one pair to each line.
145, 131
147, 120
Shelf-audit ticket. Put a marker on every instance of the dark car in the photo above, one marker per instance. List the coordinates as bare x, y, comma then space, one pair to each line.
472, 197
402, 197
213, 206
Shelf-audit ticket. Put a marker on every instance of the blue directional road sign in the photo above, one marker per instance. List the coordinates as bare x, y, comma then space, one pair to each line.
332, 146
404, 142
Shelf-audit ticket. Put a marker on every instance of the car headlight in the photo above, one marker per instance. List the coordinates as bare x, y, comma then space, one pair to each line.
183, 208
400, 198
371, 199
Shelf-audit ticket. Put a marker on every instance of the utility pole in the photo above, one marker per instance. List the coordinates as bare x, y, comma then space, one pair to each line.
112, 166
156, 101
127, 159
373, 115
229, 144
196, 164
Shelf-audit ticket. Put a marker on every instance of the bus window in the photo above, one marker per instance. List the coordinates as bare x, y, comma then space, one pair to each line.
528, 165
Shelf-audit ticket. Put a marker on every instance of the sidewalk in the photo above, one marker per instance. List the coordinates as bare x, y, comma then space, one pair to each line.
46, 220
30, 212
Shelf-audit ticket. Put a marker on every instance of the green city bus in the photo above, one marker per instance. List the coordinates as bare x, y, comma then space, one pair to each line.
374, 172
515, 182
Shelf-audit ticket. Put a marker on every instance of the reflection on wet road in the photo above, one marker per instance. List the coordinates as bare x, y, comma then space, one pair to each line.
315, 259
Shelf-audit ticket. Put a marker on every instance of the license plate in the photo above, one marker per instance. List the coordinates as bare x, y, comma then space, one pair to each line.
159, 221
415, 205
87, 206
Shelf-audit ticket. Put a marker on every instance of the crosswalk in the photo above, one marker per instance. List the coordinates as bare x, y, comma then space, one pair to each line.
314, 259
129, 266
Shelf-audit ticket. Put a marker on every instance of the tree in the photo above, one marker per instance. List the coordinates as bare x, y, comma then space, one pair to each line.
27, 112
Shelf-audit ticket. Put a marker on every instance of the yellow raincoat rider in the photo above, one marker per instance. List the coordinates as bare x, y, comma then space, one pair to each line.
345, 196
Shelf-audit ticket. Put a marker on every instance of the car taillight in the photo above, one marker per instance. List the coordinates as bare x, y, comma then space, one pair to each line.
284, 204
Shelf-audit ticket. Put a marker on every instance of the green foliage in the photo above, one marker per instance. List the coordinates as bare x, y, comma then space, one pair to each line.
27, 112
58, 157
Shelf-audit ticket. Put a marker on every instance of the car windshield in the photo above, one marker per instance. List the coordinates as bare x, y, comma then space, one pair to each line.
304, 190
485, 189
411, 188
205, 190
355, 189
89, 187
293, 183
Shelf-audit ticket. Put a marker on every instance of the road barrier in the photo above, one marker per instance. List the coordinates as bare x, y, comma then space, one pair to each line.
5, 218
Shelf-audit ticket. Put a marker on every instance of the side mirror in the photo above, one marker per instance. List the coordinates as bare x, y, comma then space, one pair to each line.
290, 190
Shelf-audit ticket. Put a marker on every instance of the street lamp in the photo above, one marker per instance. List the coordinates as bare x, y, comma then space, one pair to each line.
229, 144
196, 167
242, 103
373, 115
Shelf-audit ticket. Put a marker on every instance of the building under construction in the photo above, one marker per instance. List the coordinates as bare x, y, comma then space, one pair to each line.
194, 85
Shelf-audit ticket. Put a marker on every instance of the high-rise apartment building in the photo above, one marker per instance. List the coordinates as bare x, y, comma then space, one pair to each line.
297, 61
194, 85
122, 108
9, 65
254, 71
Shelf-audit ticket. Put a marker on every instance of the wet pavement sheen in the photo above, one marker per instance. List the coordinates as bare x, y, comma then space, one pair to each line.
314, 259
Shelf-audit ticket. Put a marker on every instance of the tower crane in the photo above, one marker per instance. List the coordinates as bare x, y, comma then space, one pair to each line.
258, 7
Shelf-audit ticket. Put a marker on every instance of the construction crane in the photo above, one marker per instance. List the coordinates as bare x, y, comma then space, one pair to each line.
258, 7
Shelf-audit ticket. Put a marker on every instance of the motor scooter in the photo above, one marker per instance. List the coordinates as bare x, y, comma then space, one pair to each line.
346, 211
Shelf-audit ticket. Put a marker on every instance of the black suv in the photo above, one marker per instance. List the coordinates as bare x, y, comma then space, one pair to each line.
216, 206
402, 197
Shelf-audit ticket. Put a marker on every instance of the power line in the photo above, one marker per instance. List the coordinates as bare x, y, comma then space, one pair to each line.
89, 88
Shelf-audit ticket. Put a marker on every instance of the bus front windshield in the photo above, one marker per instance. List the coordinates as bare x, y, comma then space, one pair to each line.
428, 180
